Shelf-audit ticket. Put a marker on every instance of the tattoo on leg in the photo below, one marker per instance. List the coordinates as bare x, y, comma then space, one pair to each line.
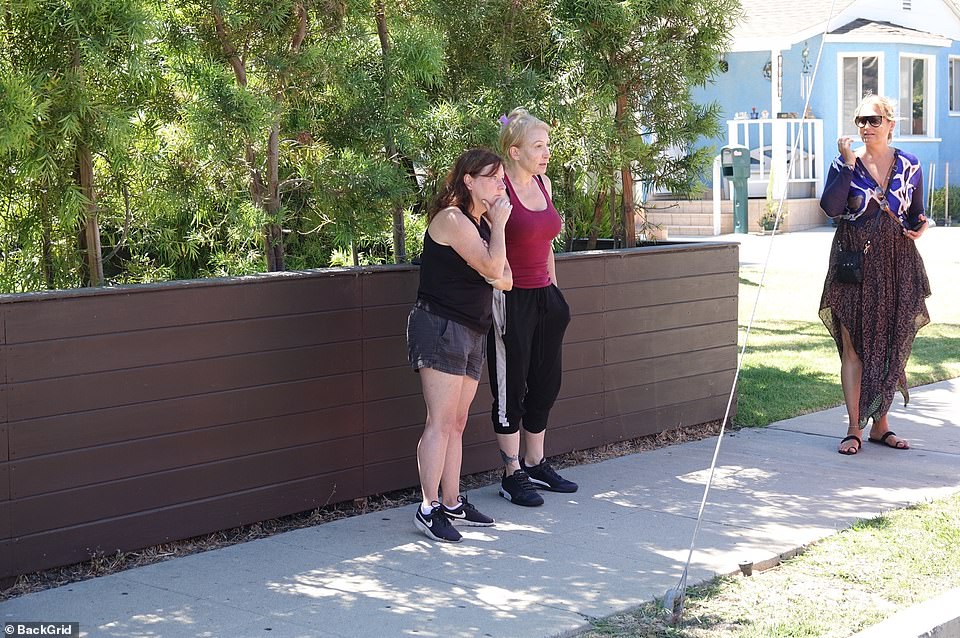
507, 459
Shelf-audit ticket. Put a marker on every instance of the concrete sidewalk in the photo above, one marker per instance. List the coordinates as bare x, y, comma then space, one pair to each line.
620, 541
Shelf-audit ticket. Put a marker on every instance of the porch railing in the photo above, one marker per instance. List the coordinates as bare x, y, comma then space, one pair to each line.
770, 142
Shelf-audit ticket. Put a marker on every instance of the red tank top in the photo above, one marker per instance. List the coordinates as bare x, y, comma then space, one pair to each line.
529, 238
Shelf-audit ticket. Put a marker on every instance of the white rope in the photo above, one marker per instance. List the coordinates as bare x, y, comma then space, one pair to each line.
674, 599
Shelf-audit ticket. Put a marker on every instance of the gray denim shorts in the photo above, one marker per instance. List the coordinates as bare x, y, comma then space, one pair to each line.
444, 345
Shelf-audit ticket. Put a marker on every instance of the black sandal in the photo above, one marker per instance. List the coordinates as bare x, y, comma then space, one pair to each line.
850, 451
883, 441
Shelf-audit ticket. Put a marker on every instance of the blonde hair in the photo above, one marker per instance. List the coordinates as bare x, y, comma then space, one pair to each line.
515, 130
884, 105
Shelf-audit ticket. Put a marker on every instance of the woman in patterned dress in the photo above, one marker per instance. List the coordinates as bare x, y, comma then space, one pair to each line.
877, 193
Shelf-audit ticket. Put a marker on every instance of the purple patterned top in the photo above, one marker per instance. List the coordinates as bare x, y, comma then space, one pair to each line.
852, 194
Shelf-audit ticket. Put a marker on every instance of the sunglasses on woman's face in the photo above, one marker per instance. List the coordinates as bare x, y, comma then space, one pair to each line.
873, 120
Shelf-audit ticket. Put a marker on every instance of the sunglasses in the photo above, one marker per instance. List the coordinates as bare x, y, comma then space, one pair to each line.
873, 120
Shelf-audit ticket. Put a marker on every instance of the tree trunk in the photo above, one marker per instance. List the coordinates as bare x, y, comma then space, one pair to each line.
47, 248
597, 217
91, 223
273, 232
626, 174
569, 220
615, 218
399, 232
265, 196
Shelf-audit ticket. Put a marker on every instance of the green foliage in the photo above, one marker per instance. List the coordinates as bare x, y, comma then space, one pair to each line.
643, 55
940, 199
83, 72
180, 105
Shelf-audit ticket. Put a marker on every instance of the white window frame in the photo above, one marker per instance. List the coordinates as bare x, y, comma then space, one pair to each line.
954, 109
880, 88
930, 87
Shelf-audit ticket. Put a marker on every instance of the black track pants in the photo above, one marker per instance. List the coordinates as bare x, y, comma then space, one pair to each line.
525, 362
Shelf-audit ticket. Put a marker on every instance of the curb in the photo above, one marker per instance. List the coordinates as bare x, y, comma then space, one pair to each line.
934, 618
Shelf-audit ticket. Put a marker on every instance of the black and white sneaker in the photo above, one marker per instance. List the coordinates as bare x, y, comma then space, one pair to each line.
435, 525
518, 489
546, 478
467, 514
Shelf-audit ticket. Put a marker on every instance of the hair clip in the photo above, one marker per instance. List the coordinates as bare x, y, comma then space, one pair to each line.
504, 120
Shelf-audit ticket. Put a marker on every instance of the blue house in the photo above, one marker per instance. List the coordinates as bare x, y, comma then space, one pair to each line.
908, 50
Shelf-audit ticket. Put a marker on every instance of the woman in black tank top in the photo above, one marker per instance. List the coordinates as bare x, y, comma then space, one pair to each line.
463, 256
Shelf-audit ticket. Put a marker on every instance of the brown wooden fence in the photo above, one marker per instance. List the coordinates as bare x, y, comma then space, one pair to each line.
139, 415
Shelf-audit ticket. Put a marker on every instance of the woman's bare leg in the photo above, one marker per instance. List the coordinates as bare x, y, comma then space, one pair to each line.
851, 370
450, 478
442, 394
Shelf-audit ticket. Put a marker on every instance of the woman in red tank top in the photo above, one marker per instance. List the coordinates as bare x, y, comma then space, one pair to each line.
525, 344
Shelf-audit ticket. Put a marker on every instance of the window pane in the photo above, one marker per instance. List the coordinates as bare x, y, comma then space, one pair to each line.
851, 94
871, 76
905, 96
919, 110
951, 98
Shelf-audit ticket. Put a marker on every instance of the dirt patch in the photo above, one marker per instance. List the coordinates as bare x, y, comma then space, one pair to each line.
103, 564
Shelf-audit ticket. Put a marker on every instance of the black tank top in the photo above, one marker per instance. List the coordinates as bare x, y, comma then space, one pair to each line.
450, 288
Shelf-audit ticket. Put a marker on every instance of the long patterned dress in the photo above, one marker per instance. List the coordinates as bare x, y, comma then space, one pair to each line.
885, 311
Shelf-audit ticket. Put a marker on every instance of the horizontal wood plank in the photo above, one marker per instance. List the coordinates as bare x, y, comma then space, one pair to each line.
385, 352
656, 318
637, 294
396, 474
385, 321
581, 382
579, 273
105, 463
583, 354
395, 412
150, 307
666, 342
390, 288
584, 300
663, 418
670, 263
124, 350
144, 529
584, 327
669, 367
388, 383
8, 572
180, 414
67, 508
153, 383
674, 391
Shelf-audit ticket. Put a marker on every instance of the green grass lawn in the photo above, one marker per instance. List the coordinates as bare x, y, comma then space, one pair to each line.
791, 365
840, 586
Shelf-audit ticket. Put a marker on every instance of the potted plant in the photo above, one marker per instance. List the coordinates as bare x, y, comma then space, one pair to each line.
769, 217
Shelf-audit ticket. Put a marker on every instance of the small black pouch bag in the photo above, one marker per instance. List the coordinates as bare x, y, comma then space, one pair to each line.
850, 266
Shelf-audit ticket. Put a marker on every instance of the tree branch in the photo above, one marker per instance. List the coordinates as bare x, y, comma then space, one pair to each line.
300, 12
228, 49
126, 222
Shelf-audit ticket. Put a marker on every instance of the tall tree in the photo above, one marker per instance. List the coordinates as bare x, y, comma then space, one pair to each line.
88, 68
637, 60
269, 47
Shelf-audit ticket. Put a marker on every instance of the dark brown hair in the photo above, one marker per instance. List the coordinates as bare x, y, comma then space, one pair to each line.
454, 191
